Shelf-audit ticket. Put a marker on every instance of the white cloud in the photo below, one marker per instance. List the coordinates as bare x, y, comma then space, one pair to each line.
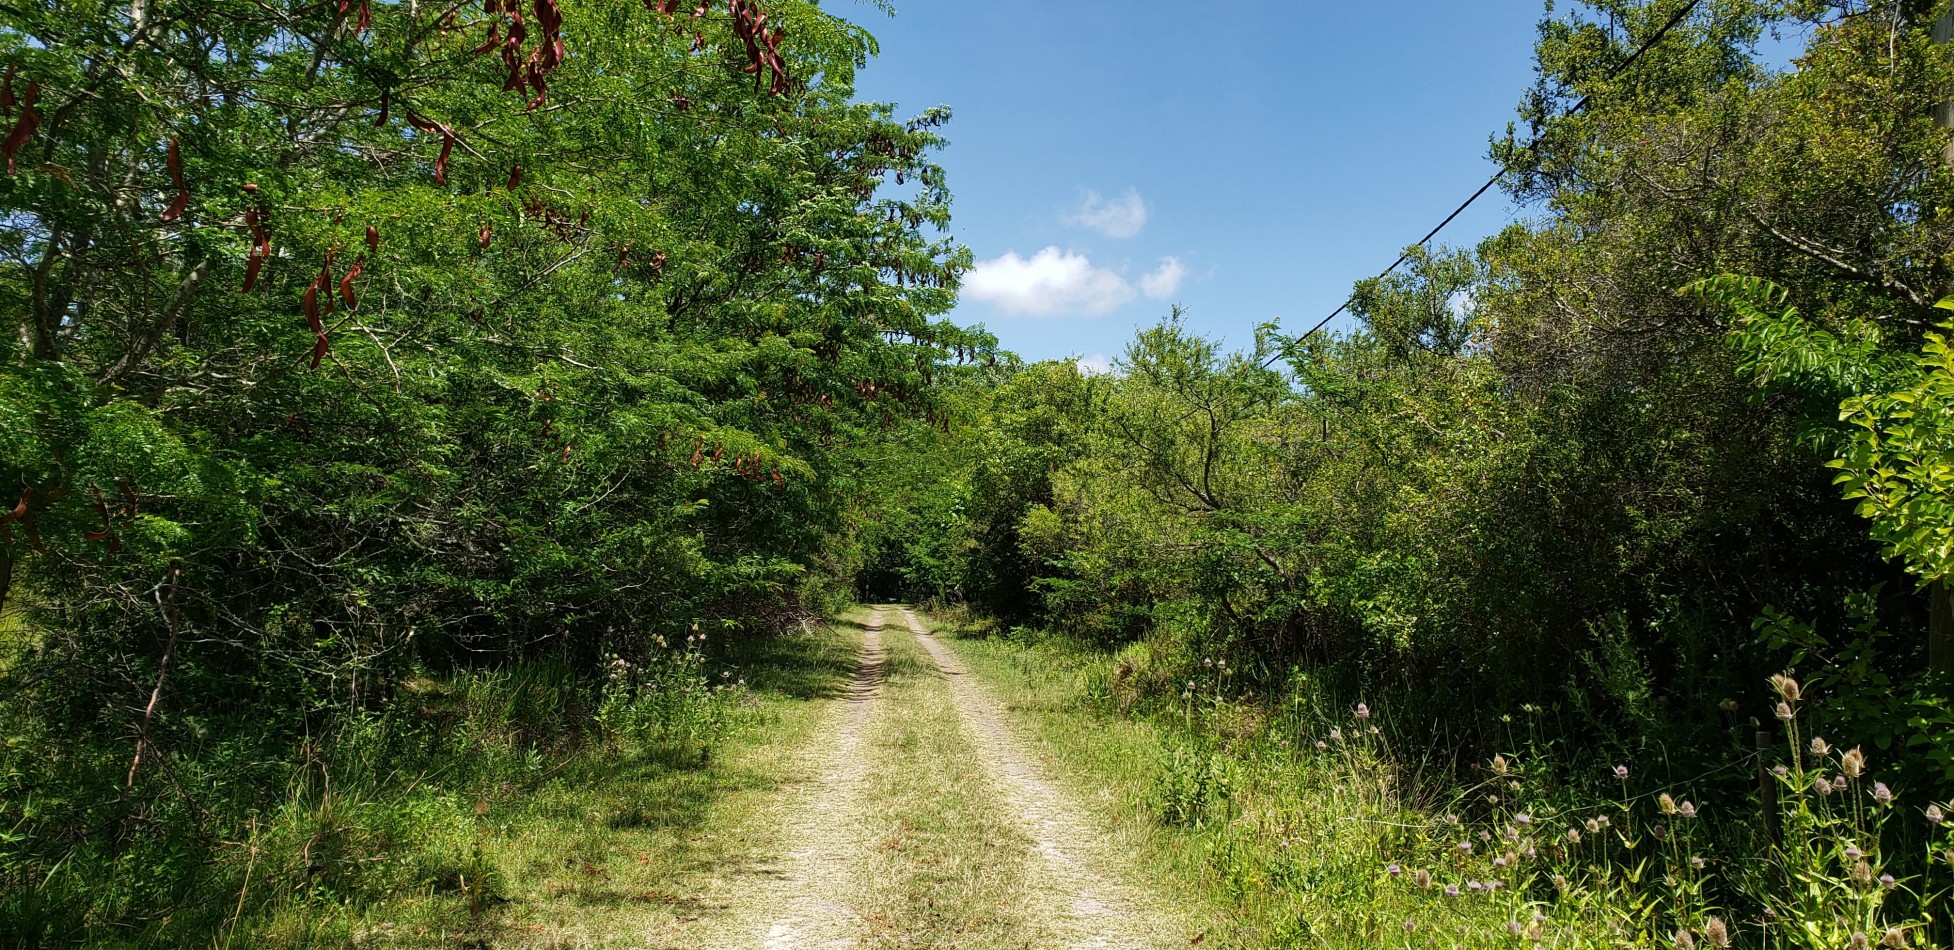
1165, 279
1050, 282
1121, 217
1098, 364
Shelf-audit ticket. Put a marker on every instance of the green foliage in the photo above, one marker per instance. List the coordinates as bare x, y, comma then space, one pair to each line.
334, 365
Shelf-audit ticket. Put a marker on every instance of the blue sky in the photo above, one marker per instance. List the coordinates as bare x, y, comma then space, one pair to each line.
1248, 160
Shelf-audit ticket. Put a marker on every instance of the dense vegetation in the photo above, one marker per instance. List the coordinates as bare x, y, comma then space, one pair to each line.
1568, 497
405, 400
357, 343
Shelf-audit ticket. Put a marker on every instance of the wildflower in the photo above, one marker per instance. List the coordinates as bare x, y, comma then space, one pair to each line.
1410, 926
1687, 809
1594, 826
1935, 815
1853, 763
1452, 820
1859, 942
1716, 932
1492, 799
1560, 882
1666, 803
1888, 882
1784, 712
1780, 771
1321, 745
1573, 836
1465, 847
1499, 765
1895, 937
1601, 820
1684, 939
1363, 712
1660, 832
1523, 819
1862, 874
1336, 735
1696, 863
1451, 890
1882, 794
1475, 887
1393, 869
1823, 787
1373, 730
1820, 748
1422, 878
1500, 861
1621, 773
1513, 927
1728, 705
1787, 688
1852, 851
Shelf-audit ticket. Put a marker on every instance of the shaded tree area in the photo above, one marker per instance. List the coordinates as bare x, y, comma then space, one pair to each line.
355, 343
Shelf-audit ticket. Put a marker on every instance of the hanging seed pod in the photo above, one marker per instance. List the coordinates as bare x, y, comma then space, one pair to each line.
346, 284
174, 162
24, 127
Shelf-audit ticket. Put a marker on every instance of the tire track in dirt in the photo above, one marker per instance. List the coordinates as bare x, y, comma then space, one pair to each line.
806, 903
1093, 908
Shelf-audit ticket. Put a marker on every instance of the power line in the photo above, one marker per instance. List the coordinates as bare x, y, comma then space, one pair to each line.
1578, 108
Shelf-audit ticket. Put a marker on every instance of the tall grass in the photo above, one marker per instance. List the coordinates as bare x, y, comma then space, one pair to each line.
390, 803
1309, 823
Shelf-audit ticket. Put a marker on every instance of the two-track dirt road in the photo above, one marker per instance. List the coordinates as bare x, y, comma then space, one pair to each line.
917, 817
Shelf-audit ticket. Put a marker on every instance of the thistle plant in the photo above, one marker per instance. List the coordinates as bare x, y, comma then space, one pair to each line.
1838, 888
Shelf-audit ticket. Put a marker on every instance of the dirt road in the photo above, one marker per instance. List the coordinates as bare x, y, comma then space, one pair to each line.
918, 818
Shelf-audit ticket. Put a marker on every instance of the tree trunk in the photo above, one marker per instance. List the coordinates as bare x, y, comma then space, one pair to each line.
1940, 628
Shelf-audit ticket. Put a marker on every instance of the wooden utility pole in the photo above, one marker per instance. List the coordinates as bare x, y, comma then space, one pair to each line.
1940, 608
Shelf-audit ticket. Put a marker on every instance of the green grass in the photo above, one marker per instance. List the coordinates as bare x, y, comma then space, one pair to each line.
473, 833
1288, 845
948, 867
612, 849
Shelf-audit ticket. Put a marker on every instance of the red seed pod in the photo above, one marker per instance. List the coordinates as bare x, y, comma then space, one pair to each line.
19, 511
494, 40
515, 177
101, 511
24, 127
346, 284
488, 231
174, 162
372, 239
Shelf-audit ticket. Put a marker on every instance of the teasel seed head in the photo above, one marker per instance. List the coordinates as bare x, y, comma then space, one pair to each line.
1716, 932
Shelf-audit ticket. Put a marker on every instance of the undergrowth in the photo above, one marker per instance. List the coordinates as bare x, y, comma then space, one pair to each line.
429, 822
1302, 817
